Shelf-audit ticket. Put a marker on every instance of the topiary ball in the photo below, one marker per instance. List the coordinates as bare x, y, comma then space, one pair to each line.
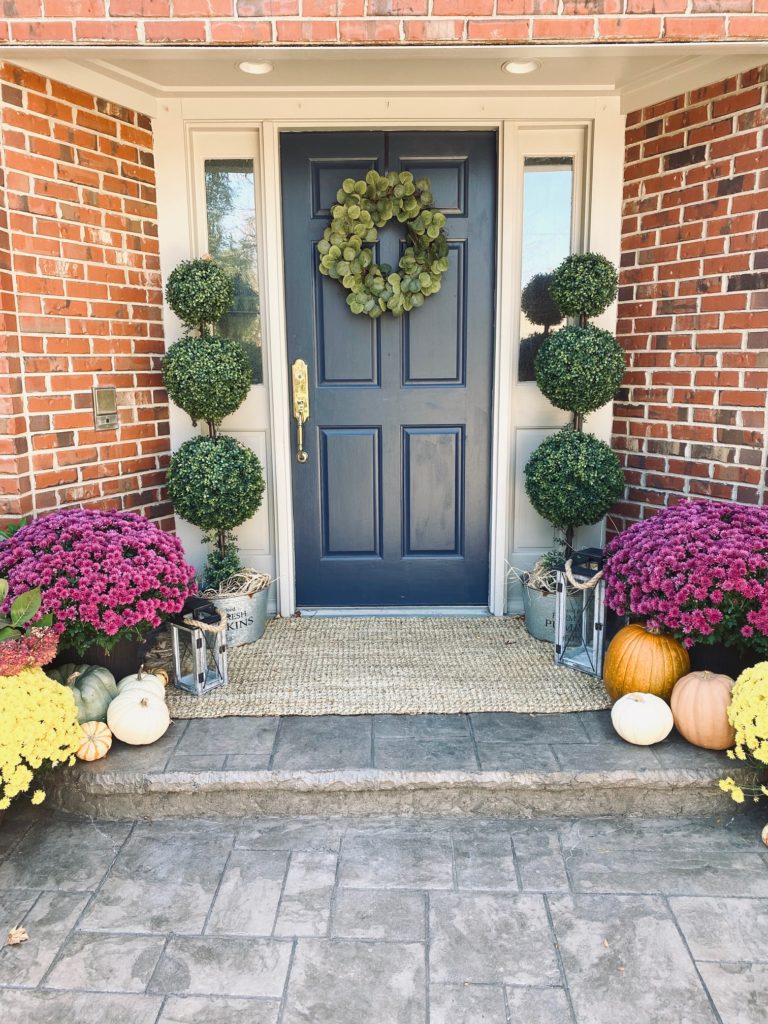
529, 349
537, 303
573, 479
215, 483
208, 377
585, 284
580, 368
199, 292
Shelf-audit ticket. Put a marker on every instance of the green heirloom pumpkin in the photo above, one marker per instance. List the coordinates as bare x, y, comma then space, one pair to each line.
92, 686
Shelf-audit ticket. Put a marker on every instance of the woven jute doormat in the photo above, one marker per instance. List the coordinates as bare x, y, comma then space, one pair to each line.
395, 666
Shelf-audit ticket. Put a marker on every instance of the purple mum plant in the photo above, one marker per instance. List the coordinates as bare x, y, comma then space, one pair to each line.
104, 576
697, 570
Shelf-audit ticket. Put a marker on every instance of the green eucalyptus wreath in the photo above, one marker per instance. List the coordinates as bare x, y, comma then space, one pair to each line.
362, 208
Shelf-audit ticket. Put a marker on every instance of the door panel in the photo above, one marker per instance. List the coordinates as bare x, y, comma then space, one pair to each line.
392, 507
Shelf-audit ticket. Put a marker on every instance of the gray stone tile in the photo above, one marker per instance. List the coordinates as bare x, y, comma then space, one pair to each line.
490, 939
218, 1010
14, 904
539, 859
540, 1006
679, 754
663, 834
591, 757
161, 883
511, 756
14, 823
305, 908
222, 966
421, 727
718, 928
625, 951
598, 726
222, 736
323, 743
485, 862
124, 757
24, 1006
247, 762
467, 1004
397, 862
335, 982
448, 753
106, 963
291, 834
195, 763
597, 867
48, 924
247, 899
503, 727
367, 914
44, 860
739, 991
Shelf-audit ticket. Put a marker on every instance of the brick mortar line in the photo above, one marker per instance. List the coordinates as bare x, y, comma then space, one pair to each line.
25, 413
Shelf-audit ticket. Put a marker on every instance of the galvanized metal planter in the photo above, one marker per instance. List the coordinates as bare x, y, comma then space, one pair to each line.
246, 616
539, 608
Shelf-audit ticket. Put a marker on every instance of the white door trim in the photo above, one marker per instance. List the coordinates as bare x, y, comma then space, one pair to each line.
603, 232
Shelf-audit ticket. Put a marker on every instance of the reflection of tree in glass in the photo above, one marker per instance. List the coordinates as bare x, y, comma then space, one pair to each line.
540, 310
232, 241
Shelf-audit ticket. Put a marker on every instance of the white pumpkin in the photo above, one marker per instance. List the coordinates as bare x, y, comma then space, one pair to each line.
642, 718
138, 718
146, 682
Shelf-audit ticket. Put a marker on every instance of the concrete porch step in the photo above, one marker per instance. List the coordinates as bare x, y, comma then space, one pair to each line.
126, 794
484, 764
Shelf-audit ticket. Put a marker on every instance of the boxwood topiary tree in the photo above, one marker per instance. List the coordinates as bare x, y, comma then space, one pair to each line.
573, 478
214, 482
541, 310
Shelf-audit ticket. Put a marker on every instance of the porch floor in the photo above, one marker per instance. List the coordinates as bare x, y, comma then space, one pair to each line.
488, 763
387, 920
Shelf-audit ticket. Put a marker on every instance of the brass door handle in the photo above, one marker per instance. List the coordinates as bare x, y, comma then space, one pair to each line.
300, 382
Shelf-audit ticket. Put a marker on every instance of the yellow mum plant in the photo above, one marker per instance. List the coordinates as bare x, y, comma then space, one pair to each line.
38, 729
748, 714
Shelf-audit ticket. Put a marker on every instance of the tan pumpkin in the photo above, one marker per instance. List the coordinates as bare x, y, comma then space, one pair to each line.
700, 708
638, 661
96, 741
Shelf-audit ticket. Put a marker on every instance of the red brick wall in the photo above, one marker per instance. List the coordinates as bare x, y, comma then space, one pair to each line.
344, 22
82, 298
693, 303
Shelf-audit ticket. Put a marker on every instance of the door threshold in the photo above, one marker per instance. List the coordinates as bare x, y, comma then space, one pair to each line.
437, 611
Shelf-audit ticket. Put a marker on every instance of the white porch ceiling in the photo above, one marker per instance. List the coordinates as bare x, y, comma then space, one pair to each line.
636, 74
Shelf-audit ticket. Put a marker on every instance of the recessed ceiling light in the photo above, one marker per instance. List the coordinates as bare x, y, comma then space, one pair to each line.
521, 67
256, 67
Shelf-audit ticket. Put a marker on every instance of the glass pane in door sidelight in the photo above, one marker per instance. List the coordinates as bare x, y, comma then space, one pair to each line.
232, 239
547, 220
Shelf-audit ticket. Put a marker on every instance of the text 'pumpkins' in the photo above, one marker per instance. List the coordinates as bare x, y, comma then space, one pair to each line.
638, 661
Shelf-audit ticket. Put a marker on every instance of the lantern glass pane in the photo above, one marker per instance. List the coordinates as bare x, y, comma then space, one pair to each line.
579, 626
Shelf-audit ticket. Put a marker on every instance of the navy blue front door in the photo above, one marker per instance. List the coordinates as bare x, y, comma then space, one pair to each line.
392, 506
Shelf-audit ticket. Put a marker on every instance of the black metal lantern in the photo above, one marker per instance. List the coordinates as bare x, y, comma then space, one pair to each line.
199, 642
580, 612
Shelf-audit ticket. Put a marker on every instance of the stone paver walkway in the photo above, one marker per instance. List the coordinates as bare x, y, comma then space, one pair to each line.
386, 921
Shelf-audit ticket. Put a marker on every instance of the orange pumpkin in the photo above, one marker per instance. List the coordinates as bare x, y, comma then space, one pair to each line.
96, 741
638, 661
700, 708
